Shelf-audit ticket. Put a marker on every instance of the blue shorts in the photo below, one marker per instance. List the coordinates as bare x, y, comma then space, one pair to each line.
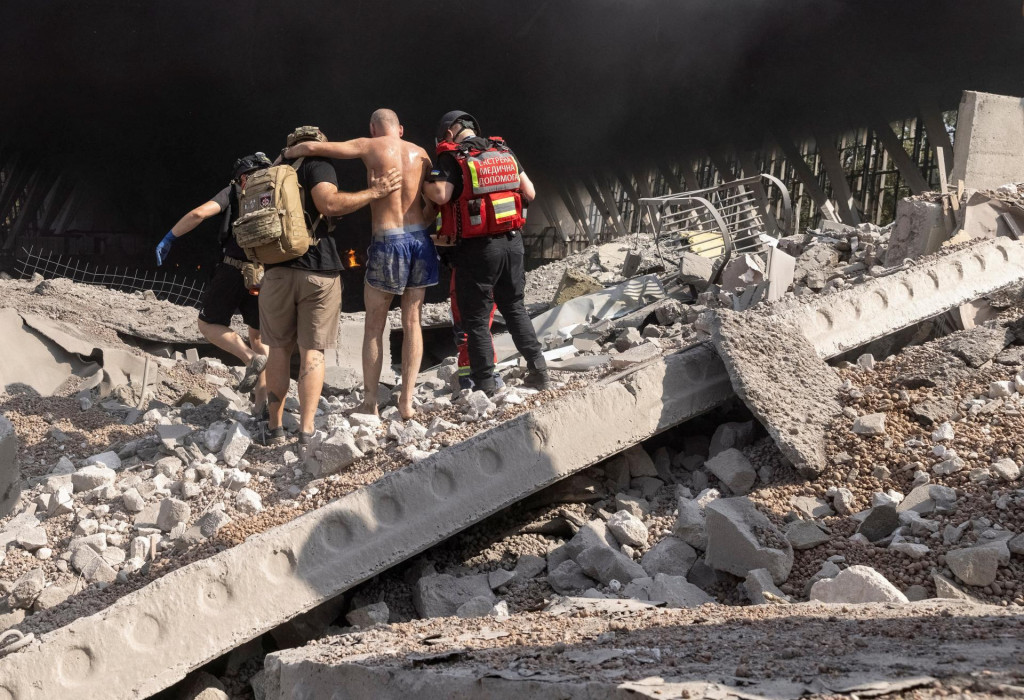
400, 259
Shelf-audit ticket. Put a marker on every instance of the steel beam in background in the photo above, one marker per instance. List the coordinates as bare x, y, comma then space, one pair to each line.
15, 185
35, 193
613, 204
61, 189
643, 180
938, 137
837, 176
671, 179
572, 200
802, 170
908, 168
609, 210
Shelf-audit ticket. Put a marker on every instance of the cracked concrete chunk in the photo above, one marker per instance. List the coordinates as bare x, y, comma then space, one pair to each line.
236, 442
628, 529
734, 470
880, 522
443, 594
975, 566
92, 477
604, 564
26, 589
929, 498
805, 534
172, 512
568, 578
741, 538
690, 524
369, 615
758, 583
978, 345
10, 474
793, 394
872, 424
677, 592
671, 556
857, 584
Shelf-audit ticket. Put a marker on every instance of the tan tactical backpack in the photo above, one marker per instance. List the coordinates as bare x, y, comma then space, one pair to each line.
271, 226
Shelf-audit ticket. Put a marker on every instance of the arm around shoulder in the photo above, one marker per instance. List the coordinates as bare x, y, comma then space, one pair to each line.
342, 150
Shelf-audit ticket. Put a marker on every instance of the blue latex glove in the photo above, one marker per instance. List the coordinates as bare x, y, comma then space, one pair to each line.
164, 248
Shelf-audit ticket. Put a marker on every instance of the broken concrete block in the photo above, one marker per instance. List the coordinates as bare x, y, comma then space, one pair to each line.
781, 273
677, 592
990, 129
640, 463
172, 512
92, 565
1006, 469
499, 577
742, 271
212, 521
975, 566
204, 686
690, 525
811, 506
929, 498
857, 584
236, 442
805, 534
741, 538
248, 501
734, 470
695, 269
530, 566
337, 452
26, 589
369, 616
921, 227
592, 533
605, 564
871, 424
575, 283
997, 390
568, 578
105, 459
628, 529
32, 538
235, 479
881, 522
92, 477
51, 597
441, 595
670, 556
944, 588
759, 583
731, 435
214, 436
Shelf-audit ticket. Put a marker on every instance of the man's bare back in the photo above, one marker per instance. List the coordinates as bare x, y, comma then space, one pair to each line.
384, 150
402, 207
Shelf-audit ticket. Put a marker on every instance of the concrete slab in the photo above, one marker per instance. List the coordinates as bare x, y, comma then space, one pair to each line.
10, 473
989, 141
153, 637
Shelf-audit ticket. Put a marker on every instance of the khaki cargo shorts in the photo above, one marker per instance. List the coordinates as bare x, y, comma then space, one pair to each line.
300, 305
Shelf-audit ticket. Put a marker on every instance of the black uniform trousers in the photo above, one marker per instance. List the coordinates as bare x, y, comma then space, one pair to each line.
491, 272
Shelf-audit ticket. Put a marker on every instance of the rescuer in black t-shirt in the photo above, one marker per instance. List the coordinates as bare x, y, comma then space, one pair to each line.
226, 292
482, 192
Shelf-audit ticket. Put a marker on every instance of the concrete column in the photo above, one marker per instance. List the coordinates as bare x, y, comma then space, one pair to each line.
989, 141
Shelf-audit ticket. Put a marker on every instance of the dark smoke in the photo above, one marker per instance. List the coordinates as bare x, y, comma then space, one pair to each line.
152, 101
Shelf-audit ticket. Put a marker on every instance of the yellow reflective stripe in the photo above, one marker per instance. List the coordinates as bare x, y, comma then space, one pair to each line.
437, 221
472, 174
504, 208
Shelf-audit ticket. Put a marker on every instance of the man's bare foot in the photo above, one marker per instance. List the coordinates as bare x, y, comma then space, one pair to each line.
405, 409
367, 409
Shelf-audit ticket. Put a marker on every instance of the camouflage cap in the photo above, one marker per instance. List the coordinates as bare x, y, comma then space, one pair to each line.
305, 133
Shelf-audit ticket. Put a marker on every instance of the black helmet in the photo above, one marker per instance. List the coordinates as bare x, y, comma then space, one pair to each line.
457, 115
246, 164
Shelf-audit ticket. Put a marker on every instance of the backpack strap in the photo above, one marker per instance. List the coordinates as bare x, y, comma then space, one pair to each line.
312, 227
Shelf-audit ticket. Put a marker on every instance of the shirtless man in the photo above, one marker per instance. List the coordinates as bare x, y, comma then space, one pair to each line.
402, 259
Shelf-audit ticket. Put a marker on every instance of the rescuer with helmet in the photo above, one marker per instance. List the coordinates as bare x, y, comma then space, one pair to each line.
234, 283
482, 192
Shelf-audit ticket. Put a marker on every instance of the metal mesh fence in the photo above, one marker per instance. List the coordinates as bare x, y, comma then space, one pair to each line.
168, 287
